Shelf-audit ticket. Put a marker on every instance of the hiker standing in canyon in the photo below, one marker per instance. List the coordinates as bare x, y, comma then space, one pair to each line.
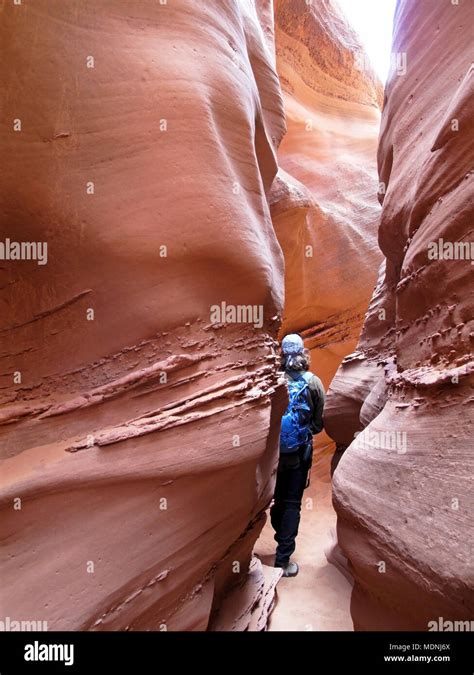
303, 418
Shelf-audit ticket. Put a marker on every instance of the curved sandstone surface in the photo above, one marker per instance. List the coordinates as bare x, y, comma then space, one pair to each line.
324, 201
138, 432
403, 489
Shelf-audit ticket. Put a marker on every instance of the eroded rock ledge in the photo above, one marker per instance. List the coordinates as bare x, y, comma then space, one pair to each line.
139, 439
403, 489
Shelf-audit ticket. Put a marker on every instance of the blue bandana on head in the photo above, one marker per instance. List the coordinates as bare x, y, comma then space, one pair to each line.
292, 344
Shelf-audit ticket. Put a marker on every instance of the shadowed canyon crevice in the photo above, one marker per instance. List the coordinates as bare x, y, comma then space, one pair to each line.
204, 187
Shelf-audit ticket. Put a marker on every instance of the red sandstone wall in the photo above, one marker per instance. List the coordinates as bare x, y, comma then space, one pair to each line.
403, 489
324, 201
147, 175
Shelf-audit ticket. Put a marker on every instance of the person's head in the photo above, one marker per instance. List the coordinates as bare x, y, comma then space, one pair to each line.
293, 354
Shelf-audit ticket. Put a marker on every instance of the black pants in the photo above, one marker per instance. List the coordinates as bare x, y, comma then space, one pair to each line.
285, 513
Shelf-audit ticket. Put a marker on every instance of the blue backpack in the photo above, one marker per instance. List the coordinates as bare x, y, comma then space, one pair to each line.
295, 423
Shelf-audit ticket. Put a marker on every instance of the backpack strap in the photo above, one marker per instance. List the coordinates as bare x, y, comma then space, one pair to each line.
307, 377
305, 391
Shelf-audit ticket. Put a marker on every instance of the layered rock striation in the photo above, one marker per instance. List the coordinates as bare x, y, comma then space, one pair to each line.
140, 405
403, 488
324, 201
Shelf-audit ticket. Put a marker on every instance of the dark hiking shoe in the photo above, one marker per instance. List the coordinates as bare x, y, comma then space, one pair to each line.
291, 569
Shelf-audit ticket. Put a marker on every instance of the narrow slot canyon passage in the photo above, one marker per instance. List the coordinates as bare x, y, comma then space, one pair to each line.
325, 213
